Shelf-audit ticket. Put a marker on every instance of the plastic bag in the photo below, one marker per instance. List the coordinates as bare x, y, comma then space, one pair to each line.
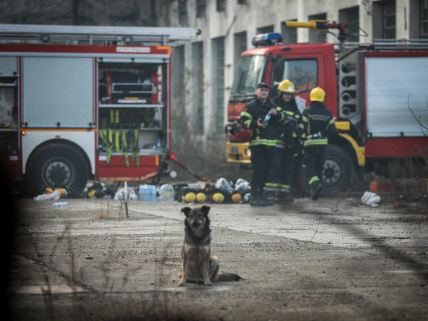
54, 196
370, 199
242, 186
147, 192
223, 185
166, 192
125, 194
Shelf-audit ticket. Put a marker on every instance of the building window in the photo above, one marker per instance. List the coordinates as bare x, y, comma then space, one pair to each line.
220, 5
218, 83
265, 29
423, 9
198, 86
178, 81
302, 72
315, 35
289, 35
201, 6
351, 18
388, 20
182, 13
240, 44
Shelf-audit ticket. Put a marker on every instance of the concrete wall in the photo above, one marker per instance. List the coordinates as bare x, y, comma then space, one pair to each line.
80, 12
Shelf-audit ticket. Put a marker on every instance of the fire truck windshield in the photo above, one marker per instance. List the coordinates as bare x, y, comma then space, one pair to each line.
248, 73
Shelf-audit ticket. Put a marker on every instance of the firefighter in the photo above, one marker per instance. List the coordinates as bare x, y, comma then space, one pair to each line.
259, 116
320, 127
290, 134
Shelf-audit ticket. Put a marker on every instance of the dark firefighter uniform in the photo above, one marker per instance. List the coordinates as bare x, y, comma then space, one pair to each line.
288, 146
320, 126
261, 144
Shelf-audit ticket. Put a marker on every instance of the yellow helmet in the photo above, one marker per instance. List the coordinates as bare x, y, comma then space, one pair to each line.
286, 86
218, 198
317, 94
201, 197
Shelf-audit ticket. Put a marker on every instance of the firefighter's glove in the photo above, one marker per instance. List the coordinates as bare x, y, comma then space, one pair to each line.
260, 123
273, 112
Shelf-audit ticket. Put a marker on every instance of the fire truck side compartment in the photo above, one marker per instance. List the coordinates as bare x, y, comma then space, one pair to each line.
58, 92
396, 96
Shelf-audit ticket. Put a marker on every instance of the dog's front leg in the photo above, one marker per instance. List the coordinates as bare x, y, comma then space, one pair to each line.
183, 279
205, 272
184, 272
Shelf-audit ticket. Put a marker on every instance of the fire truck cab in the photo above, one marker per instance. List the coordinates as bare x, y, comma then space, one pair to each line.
378, 94
80, 102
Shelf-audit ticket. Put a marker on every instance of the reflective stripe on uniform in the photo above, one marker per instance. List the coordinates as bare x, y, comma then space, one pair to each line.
305, 119
313, 179
281, 114
272, 187
248, 118
246, 114
284, 188
267, 142
312, 142
290, 113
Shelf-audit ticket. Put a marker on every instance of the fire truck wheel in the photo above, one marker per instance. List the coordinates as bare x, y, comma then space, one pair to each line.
57, 165
338, 170
337, 174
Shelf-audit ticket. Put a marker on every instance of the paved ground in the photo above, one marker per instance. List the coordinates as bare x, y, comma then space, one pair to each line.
333, 259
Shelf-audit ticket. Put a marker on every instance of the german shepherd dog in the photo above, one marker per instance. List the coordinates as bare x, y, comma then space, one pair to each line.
196, 263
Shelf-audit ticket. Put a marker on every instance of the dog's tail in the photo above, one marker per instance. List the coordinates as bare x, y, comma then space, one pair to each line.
226, 276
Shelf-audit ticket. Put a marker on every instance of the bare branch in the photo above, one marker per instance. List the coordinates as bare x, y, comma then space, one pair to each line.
423, 127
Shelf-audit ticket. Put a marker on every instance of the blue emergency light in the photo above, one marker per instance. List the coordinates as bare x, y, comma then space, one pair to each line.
267, 39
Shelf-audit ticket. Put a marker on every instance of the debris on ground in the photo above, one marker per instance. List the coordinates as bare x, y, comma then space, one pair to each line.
370, 199
125, 193
53, 196
100, 190
222, 191
60, 204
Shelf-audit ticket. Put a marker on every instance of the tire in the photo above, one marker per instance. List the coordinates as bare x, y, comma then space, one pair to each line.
337, 174
57, 165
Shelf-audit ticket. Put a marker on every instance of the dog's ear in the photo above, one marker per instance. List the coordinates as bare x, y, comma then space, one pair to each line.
205, 210
186, 210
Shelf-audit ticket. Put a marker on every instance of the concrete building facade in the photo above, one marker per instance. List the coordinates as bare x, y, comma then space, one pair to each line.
229, 25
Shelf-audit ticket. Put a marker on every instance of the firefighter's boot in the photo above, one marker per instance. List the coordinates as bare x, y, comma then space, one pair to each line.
284, 197
315, 190
257, 199
270, 196
268, 200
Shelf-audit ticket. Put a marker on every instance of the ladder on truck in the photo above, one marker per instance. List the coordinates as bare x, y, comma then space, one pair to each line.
19, 33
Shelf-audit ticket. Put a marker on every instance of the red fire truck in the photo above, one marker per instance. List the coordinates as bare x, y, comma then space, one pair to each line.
378, 94
79, 102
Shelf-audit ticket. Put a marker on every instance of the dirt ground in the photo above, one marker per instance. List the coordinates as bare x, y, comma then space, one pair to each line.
333, 259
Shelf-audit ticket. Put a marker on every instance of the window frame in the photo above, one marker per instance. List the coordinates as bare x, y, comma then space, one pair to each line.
389, 31
423, 22
282, 61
